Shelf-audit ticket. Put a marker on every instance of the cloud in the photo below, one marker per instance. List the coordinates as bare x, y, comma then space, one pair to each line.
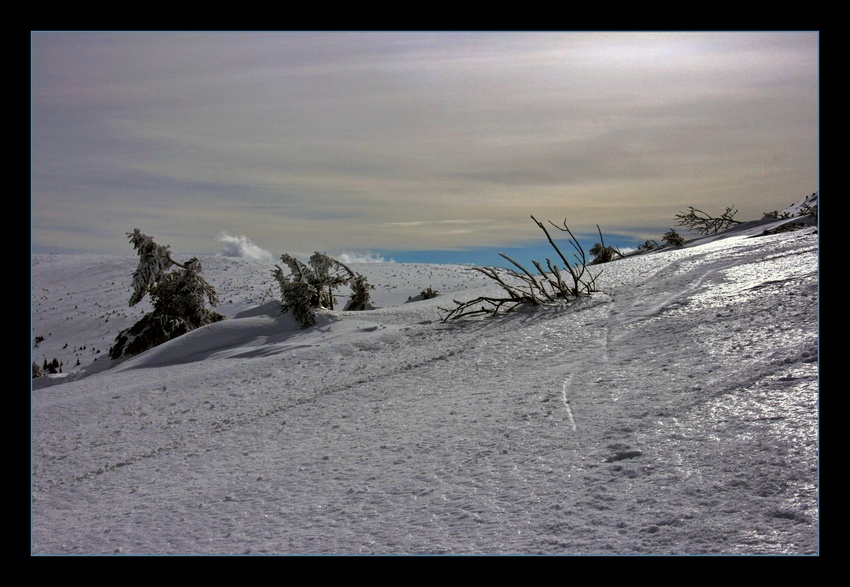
411, 141
240, 246
362, 258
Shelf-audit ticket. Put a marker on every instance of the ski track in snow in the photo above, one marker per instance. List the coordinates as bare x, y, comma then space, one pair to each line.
560, 425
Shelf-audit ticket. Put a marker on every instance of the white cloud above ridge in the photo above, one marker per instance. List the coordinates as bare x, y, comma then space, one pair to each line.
349, 257
241, 246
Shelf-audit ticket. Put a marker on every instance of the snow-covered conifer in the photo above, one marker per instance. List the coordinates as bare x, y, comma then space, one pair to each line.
154, 261
310, 287
360, 297
179, 298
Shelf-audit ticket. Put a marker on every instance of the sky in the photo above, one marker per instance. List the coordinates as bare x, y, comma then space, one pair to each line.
674, 411
406, 145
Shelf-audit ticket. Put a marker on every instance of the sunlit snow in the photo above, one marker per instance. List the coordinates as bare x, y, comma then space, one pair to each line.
673, 412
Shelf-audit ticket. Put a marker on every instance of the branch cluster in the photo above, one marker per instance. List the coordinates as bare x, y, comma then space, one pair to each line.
702, 223
547, 286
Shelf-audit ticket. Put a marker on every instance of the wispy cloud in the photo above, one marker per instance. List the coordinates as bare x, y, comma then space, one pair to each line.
380, 141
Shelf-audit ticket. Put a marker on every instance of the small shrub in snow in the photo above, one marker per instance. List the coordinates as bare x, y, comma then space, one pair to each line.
775, 214
808, 215
673, 238
790, 227
360, 298
810, 211
310, 287
179, 298
602, 253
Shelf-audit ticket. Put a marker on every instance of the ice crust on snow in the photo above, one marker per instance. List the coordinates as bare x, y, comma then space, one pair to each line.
674, 412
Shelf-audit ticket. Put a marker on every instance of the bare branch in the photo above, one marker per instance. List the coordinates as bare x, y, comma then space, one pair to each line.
698, 221
549, 288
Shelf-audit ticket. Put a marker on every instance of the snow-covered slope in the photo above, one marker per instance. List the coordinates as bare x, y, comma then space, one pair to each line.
676, 411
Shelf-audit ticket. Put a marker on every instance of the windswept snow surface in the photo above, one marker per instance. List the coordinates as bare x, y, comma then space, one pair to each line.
674, 412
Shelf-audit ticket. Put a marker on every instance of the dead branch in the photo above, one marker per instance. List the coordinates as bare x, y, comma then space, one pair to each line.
548, 288
705, 224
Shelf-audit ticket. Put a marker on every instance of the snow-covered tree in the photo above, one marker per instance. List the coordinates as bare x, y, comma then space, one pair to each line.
154, 261
310, 287
178, 297
360, 297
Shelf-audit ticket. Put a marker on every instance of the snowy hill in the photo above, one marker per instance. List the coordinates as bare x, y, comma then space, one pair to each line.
674, 412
